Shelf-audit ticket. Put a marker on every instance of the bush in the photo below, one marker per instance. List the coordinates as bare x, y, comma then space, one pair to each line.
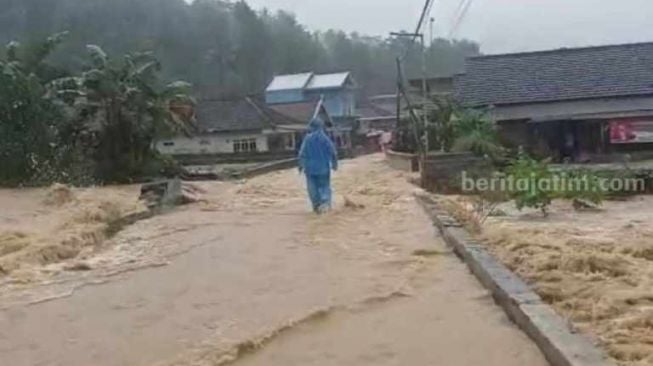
543, 185
588, 188
476, 133
526, 169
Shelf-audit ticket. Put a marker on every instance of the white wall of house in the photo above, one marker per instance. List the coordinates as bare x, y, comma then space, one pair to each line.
213, 144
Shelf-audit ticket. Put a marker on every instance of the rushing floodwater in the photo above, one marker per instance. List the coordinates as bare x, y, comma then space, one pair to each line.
251, 277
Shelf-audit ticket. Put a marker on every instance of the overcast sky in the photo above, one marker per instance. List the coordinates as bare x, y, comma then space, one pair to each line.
498, 25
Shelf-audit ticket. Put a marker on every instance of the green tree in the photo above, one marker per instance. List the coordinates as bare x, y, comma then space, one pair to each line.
30, 119
221, 46
126, 106
537, 193
477, 133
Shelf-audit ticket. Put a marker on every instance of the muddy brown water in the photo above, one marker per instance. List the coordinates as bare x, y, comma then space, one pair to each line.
250, 277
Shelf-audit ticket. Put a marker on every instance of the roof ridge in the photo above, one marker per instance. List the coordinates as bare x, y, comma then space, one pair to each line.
308, 81
561, 50
259, 110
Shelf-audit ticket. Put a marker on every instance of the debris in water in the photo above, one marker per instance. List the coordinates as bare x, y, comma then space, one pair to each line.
428, 253
583, 205
353, 205
80, 266
59, 195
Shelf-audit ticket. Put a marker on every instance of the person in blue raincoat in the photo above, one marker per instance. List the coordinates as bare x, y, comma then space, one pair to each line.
317, 157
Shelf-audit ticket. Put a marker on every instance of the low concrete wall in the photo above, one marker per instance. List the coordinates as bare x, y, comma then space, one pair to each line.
551, 333
402, 161
442, 172
268, 168
211, 159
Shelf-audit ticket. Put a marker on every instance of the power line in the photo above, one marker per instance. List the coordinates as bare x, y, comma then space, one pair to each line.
428, 13
430, 9
459, 8
427, 6
466, 4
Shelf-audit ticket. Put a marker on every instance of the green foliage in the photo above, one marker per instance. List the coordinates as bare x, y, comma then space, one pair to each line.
404, 140
126, 106
535, 175
452, 128
31, 122
582, 185
535, 185
475, 132
99, 126
442, 130
221, 46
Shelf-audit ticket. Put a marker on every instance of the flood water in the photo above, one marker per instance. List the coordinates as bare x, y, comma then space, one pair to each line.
251, 277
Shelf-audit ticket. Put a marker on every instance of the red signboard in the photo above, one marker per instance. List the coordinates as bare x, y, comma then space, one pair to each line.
631, 131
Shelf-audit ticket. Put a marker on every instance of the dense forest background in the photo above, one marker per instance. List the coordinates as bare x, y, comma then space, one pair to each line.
220, 47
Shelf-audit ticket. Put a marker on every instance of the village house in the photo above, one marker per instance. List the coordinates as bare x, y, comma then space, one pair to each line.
231, 126
377, 113
245, 128
302, 112
337, 91
435, 85
376, 121
591, 104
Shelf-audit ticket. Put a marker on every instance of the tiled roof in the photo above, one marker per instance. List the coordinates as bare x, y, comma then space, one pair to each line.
370, 109
241, 114
301, 112
289, 82
564, 74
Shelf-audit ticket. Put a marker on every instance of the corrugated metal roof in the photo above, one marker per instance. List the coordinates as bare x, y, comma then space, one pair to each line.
564, 74
289, 82
328, 81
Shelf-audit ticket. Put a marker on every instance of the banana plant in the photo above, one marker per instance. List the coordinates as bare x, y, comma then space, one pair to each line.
126, 106
476, 133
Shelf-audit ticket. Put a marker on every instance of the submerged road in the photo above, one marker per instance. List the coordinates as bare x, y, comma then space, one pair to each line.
265, 282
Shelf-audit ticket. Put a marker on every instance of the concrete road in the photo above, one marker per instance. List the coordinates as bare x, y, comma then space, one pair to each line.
265, 282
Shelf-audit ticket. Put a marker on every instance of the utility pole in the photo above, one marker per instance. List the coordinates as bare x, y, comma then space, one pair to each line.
431, 31
425, 119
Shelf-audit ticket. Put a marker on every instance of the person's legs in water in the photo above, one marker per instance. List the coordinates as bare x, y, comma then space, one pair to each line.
328, 192
312, 185
324, 190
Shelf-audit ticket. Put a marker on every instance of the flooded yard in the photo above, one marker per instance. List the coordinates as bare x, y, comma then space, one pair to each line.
594, 267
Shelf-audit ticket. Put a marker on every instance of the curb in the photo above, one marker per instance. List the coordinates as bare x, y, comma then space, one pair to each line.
551, 333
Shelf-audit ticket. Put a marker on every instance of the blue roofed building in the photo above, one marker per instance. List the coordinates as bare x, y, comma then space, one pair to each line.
337, 91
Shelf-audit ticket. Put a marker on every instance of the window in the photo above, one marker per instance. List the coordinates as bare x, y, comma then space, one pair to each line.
290, 142
245, 145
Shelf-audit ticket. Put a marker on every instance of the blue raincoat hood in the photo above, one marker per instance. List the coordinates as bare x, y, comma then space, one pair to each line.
315, 124
318, 155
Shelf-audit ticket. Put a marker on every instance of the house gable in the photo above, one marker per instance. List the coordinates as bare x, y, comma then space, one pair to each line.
337, 89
